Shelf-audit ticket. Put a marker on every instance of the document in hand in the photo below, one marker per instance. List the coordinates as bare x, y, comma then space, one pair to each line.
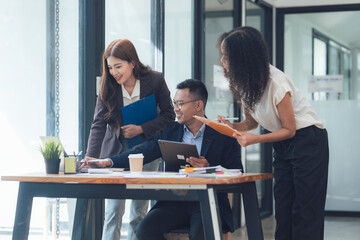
213, 172
220, 127
137, 113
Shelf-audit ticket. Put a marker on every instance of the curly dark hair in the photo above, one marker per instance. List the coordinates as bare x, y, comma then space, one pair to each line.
125, 50
248, 64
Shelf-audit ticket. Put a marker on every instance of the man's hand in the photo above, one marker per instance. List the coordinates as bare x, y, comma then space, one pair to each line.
131, 130
198, 162
96, 163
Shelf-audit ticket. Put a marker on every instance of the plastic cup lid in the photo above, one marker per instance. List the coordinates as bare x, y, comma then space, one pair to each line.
138, 155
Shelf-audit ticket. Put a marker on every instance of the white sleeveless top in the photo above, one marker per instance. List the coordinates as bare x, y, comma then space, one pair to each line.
266, 113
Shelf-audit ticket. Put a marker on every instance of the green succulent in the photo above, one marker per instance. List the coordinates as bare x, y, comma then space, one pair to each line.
52, 149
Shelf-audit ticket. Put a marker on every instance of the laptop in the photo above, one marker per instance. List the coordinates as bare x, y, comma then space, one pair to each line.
175, 153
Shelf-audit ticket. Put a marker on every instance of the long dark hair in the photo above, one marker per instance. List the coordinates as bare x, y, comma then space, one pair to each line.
248, 60
126, 51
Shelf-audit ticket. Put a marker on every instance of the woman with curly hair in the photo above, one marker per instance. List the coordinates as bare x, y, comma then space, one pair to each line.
300, 142
125, 79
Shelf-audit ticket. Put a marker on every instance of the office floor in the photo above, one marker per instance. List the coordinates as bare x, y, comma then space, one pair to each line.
336, 228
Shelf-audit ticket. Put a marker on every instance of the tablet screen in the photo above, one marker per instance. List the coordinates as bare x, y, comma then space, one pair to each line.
175, 153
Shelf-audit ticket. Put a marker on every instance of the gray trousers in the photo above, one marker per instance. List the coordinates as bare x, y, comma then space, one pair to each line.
115, 208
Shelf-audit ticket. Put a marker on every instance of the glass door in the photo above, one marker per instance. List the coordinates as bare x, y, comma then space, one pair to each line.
219, 17
317, 45
258, 157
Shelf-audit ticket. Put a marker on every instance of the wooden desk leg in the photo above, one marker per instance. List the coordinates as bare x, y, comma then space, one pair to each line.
23, 212
252, 214
210, 217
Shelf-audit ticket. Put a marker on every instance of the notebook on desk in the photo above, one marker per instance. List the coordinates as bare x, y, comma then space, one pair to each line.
175, 153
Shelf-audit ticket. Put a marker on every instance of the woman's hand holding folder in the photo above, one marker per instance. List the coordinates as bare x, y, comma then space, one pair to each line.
131, 130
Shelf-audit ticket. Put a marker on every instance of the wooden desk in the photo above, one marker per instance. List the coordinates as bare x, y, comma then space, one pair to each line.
84, 186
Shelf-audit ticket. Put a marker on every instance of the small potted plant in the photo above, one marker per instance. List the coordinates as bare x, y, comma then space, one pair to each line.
51, 152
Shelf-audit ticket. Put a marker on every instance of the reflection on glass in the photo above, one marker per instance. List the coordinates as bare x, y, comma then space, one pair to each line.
178, 42
332, 52
345, 70
319, 57
343, 44
253, 154
129, 20
254, 16
220, 100
218, 5
23, 99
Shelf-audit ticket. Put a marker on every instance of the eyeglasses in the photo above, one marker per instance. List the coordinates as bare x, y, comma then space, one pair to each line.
180, 104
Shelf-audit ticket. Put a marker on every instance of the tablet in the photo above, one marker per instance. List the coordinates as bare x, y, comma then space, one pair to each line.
175, 153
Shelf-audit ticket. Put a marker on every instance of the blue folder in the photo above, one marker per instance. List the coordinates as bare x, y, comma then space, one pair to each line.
137, 113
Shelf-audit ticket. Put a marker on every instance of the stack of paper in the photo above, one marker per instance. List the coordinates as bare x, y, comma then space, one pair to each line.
154, 175
213, 172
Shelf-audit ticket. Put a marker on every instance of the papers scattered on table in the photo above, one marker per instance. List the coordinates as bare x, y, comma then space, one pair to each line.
153, 175
99, 171
210, 172
207, 172
126, 174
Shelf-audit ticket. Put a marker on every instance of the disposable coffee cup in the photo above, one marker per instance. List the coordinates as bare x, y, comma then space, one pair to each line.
136, 162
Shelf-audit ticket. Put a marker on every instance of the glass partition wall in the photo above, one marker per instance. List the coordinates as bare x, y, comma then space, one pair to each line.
219, 17
259, 156
317, 43
177, 35
180, 53
28, 94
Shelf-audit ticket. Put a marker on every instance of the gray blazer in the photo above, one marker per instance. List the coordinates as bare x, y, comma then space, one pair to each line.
104, 143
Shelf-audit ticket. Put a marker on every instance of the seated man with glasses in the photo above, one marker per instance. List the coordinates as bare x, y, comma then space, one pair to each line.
213, 148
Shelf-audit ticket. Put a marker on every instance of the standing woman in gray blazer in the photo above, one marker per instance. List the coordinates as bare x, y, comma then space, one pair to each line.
125, 80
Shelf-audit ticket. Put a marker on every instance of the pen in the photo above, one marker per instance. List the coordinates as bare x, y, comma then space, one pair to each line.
229, 118
65, 154
79, 154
